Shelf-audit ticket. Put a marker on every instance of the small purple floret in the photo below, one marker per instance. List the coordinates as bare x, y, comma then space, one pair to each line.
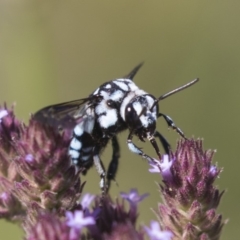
133, 197
76, 220
163, 167
29, 158
4, 196
155, 233
3, 113
213, 170
155, 167
87, 200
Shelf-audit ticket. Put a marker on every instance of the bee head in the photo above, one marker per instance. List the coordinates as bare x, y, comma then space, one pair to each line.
141, 117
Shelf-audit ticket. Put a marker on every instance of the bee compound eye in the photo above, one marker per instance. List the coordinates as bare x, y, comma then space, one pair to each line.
131, 116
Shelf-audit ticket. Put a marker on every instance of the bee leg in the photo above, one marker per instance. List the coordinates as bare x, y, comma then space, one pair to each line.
101, 171
155, 146
113, 165
133, 148
163, 141
171, 124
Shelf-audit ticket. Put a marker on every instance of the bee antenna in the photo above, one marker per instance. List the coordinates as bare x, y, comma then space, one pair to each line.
133, 72
174, 91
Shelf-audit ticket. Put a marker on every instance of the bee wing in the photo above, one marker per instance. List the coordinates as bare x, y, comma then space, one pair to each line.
63, 115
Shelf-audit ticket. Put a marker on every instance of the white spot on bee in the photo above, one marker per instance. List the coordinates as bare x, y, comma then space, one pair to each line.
137, 107
109, 119
78, 131
150, 100
102, 183
148, 119
96, 92
154, 113
89, 112
124, 80
104, 94
85, 158
139, 92
75, 144
132, 86
122, 85
75, 161
117, 95
73, 153
89, 124
133, 148
144, 120
101, 108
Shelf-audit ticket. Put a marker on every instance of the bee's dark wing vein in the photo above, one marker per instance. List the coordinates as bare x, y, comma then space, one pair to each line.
62, 115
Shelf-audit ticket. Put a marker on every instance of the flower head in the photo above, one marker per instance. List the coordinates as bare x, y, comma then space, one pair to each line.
36, 174
114, 220
189, 196
49, 180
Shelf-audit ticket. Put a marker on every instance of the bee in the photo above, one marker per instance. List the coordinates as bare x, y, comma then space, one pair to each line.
113, 107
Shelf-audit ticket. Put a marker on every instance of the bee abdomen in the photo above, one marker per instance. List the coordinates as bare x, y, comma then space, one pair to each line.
81, 147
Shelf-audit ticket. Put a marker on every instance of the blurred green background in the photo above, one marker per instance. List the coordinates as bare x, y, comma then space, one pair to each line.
53, 51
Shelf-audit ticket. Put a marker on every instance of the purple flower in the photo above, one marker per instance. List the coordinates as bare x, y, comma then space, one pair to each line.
35, 170
133, 197
114, 220
4, 196
155, 166
190, 199
3, 113
155, 233
29, 157
76, 220
163, 167
87, 200
213, 171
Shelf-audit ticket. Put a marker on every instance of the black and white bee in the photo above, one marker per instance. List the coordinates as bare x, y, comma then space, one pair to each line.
115, 106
